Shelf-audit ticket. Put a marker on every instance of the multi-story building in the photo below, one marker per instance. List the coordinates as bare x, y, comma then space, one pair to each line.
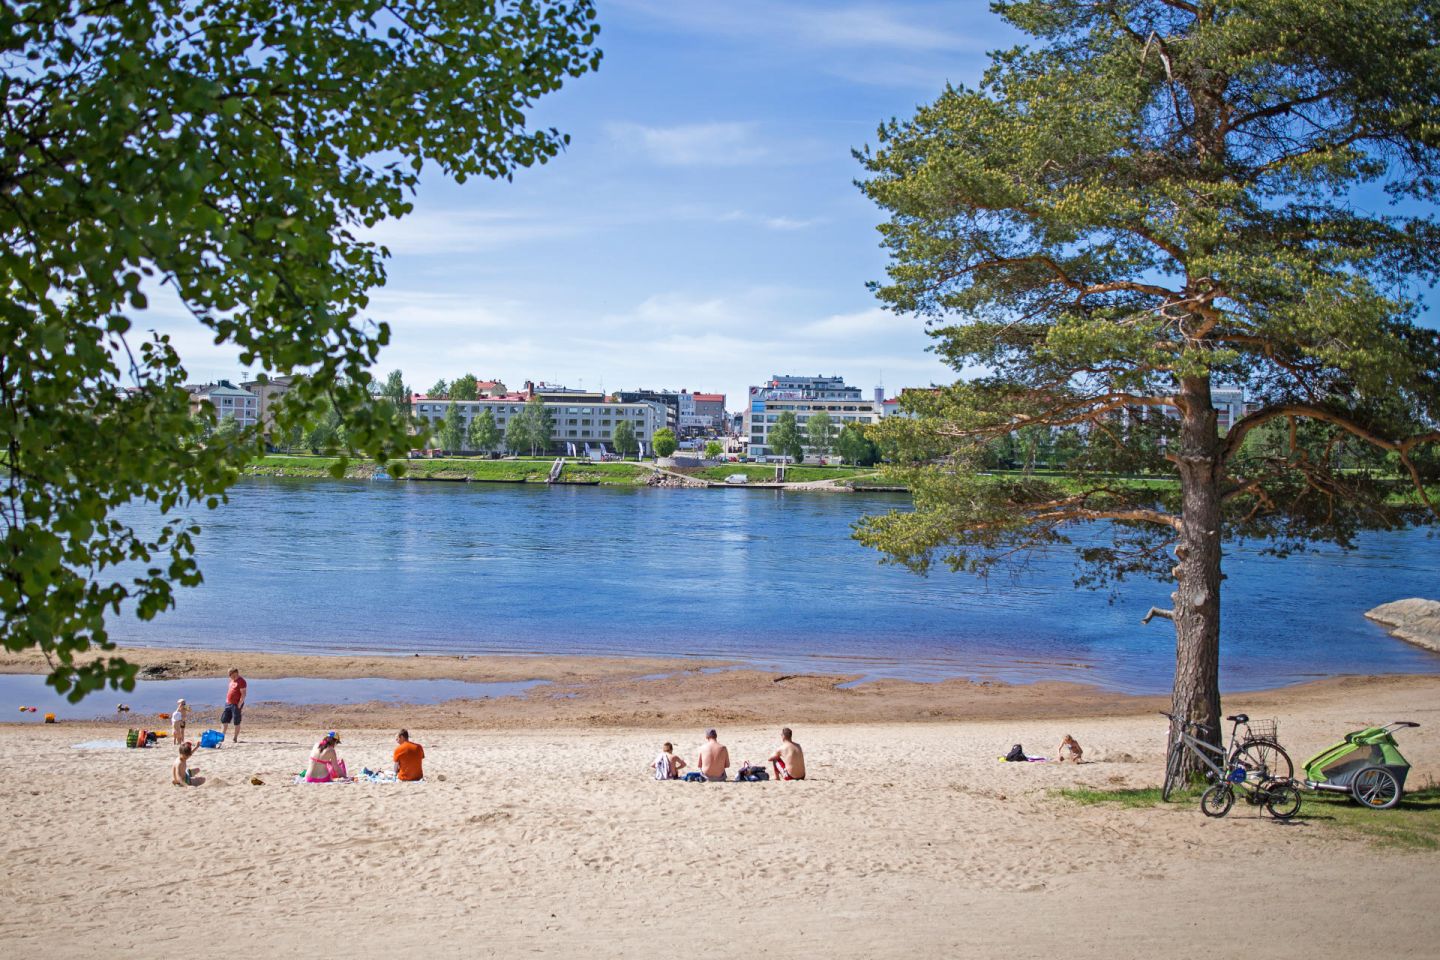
228, 400
710, 407
584, 423
551, 391
691, 422
268, 392
669, 400
804, 397
1230, 406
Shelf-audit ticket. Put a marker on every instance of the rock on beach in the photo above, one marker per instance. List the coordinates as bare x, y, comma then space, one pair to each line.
1415, 620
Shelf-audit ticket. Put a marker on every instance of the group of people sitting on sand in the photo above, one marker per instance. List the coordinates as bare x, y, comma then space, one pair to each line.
713, 760
324, 765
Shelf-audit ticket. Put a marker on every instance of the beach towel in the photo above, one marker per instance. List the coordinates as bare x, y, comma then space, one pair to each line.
663, 769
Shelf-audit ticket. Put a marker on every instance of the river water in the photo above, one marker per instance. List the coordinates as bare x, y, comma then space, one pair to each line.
764, 577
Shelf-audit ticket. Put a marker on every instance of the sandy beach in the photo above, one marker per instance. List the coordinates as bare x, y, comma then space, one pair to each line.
546, 835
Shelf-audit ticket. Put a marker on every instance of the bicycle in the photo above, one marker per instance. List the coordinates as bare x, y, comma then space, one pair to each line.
1257, 756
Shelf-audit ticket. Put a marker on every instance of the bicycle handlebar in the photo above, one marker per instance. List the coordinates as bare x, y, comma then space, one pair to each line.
1185, 723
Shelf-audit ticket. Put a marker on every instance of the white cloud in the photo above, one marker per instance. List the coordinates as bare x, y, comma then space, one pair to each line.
431, 232
862, 324
694, 144
890, 26
442, 313
788, 223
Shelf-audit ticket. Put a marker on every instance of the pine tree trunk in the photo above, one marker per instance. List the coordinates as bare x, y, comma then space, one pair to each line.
1196, 693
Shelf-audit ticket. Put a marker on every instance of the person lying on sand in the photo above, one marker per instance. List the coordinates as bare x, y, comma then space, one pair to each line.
1070, 750
667, 766
408, 757
325, 766
788, 760
181, 775
714, 757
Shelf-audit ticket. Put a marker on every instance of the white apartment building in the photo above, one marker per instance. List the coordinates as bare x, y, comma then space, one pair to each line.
228, 401
804, 397
584, 423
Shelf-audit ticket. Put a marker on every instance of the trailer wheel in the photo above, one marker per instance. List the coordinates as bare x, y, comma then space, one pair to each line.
1376, 788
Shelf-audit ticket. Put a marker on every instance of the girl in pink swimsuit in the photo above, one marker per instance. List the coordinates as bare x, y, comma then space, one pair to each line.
325, 766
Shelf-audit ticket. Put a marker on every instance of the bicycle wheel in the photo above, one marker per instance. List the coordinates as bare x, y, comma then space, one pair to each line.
1376, 788
1217, 801
1172, 772
1263, 760
1282, 799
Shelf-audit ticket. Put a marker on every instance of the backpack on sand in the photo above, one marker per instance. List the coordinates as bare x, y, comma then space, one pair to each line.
1016, 755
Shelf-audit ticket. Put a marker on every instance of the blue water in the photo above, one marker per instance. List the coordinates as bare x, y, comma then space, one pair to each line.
206, 695
760, 576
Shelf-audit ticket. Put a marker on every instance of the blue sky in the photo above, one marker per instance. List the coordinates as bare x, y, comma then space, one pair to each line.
701, 231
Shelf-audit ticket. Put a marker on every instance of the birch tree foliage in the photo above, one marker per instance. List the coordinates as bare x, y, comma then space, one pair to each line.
228, 154
1150, 200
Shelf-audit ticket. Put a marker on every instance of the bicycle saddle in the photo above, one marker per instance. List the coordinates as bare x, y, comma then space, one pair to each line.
1239, 718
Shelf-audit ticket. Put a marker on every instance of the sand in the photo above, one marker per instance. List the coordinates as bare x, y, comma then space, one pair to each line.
547, 837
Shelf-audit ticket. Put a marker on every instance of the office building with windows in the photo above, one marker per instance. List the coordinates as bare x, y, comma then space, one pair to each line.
804, 397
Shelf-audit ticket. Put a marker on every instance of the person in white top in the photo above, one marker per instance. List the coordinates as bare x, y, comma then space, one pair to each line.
177, 721
667, 765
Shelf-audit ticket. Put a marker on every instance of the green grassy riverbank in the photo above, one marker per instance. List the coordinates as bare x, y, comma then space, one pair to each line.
458, 468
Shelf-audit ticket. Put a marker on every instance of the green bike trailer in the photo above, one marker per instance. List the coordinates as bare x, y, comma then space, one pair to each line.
1367, 765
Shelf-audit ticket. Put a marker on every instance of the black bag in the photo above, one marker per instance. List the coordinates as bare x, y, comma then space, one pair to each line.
752, 774
1016, 754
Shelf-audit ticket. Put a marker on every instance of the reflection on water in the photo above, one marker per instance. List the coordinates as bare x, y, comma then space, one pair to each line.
765, 577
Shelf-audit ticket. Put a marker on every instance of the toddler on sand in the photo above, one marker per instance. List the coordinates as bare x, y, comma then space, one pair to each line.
177, 721
181, 775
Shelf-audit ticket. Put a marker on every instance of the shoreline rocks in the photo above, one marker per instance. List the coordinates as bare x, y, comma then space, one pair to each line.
1414, 620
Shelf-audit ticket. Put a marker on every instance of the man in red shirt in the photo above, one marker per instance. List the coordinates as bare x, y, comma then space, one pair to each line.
407, 758
234, 705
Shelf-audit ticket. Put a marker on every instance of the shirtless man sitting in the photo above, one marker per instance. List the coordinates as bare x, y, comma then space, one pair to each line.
714, 758
788, 761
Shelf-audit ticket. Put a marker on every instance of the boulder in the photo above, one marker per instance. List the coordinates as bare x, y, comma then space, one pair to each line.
1415, 620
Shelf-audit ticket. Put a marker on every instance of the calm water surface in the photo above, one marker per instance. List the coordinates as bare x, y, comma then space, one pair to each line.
765, 577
